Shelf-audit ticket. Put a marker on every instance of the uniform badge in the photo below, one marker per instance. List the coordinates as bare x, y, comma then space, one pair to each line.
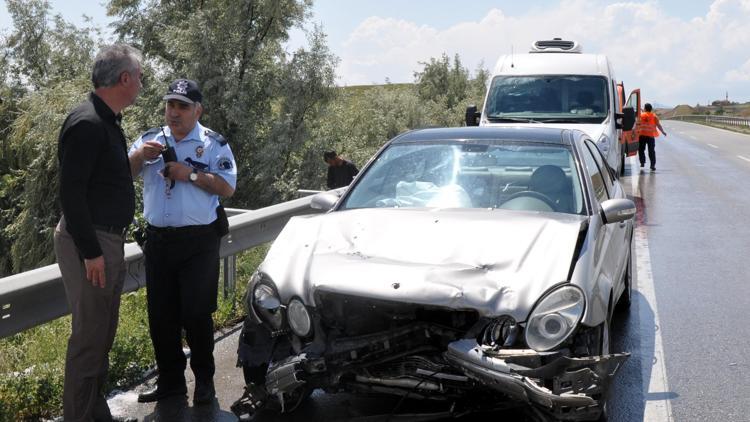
199, 151
181, 87
224, 163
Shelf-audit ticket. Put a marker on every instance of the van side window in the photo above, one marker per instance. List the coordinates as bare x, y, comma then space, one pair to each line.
597, 180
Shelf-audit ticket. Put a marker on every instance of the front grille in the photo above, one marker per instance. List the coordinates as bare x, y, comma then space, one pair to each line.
356, 316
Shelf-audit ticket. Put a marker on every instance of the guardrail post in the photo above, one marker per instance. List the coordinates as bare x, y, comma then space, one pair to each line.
230, 267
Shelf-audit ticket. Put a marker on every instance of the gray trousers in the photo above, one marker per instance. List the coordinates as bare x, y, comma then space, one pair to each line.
95, 312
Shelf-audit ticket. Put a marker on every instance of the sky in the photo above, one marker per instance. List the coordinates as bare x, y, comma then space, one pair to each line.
675, 51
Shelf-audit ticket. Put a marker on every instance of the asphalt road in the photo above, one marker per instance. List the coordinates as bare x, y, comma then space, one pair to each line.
695, 218
686, 329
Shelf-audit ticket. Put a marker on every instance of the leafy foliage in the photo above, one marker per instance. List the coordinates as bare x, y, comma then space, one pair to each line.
280, 110
255, 94
32, 363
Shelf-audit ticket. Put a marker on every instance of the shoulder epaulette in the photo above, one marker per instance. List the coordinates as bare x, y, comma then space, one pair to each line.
148, 133
216, 137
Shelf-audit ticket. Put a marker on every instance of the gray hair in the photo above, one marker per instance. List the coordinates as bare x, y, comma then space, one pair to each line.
112, 61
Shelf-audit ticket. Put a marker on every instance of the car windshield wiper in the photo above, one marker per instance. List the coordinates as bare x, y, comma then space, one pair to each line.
511, 119
562, 120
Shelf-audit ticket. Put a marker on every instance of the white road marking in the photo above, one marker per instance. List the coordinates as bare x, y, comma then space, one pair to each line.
693, 137
713, 146
658, 408
744, 158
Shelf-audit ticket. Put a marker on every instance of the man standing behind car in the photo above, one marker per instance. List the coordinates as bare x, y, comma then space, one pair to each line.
186, 167
340, 172
98, 203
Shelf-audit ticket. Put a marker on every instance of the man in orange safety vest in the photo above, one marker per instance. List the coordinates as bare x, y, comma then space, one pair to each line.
647, 132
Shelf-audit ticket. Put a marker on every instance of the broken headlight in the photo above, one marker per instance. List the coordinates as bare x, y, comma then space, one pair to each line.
554, 318
500, 332
267, 306
299, 318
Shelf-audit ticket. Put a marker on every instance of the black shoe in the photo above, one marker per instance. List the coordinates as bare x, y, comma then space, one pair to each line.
643, 164
160, 393
205, 393
653, 168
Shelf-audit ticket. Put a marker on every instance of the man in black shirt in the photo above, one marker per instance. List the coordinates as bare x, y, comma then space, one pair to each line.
98, 203
340, 172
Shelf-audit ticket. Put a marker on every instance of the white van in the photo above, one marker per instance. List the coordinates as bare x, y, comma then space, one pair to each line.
555, 84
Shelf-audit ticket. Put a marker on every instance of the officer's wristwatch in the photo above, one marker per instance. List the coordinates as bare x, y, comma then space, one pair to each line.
193, 176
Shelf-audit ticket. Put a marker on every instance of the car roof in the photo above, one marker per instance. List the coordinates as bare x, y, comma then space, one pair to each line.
545, 135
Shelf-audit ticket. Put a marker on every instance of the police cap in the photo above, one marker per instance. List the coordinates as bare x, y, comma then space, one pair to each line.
184, 90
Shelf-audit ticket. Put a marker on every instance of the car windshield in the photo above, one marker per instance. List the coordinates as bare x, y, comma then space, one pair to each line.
459, 174
548, 99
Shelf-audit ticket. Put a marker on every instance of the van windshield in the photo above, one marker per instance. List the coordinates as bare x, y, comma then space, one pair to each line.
548, 99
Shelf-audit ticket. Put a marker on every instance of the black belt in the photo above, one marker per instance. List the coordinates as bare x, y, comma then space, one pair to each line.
183, 230
110, 229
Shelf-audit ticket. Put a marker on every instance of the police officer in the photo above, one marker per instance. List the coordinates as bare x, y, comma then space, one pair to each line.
186, 167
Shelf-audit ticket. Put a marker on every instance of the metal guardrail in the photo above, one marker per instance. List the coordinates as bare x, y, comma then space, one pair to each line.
723, 120
34, 297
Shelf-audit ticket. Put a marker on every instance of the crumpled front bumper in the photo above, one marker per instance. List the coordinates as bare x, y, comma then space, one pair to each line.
575, 381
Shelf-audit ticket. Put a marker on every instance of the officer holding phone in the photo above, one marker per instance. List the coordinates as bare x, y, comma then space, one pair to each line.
186, 167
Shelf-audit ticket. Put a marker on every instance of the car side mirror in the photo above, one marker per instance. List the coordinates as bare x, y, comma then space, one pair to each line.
472, 115
617, 210
628, 118
324, 201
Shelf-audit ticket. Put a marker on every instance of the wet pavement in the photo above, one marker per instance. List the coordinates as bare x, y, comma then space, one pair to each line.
229, 387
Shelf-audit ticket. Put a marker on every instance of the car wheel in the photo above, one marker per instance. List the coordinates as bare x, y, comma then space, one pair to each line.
604, 338
605, 348
623, 304
255, 374
604, 416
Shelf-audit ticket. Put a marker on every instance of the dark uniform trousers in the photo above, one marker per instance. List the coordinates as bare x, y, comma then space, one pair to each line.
643, 142
94, 323
182, 275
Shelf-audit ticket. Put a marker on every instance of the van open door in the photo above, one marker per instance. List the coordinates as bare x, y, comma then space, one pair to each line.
630, 134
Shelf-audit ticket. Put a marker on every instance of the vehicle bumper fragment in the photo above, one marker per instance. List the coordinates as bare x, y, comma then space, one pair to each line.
575, 380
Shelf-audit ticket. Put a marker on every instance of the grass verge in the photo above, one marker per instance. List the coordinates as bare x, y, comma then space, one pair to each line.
32, 363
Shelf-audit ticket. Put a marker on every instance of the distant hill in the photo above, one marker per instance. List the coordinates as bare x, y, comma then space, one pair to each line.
660, 105
681, 109
742, 110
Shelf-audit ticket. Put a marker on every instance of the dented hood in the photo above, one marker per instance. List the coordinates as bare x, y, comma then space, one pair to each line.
494, 261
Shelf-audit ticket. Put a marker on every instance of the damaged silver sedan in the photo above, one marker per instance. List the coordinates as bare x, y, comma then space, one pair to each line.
479, 267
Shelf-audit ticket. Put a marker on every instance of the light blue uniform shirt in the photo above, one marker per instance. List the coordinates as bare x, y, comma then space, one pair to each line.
185, 204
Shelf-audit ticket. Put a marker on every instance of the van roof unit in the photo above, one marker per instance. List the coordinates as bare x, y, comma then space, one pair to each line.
555, 45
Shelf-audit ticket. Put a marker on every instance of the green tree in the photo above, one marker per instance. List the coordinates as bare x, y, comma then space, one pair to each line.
256, 94
447, 88
442, 82
45, 71
45, 50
